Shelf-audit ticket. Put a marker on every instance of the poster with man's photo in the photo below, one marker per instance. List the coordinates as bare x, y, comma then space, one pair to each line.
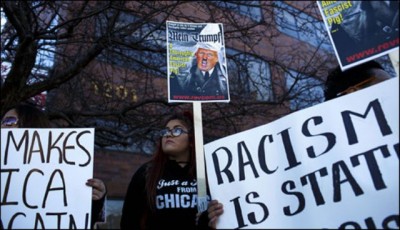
361, 30
197, 69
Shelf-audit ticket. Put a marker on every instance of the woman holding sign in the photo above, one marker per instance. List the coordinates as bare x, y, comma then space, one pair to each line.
28, 116
163, 192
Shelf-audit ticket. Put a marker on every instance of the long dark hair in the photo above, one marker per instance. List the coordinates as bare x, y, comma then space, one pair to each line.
30, 116
157, 164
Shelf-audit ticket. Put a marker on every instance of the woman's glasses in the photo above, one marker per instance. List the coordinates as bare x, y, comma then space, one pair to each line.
175, 132
9, 121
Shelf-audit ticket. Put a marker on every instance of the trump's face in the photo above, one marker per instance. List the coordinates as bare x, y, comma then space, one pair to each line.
206, 59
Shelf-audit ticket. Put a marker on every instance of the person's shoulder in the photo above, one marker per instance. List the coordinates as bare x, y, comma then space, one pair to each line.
140, 173
145, 166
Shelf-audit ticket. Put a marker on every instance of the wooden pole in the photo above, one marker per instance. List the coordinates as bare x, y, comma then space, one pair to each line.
202, 202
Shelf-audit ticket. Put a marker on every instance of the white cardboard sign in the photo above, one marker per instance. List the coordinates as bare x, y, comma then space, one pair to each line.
43, 176
333, 165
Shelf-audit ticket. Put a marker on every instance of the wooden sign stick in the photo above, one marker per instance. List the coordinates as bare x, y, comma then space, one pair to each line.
202, 202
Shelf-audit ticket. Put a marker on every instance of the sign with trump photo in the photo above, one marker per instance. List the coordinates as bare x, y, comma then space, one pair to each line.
331, 166
196, 62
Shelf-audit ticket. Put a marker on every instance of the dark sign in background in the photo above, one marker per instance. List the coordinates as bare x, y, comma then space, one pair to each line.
361, 30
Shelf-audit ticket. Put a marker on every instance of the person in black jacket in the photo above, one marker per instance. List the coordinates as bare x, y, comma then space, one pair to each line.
163, 192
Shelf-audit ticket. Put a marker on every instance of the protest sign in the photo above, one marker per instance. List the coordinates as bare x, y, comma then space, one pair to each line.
196, 62
361, 30
43, 176
333, 165
197, 73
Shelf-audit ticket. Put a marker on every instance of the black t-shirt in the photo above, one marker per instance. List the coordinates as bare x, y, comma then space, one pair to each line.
176, 200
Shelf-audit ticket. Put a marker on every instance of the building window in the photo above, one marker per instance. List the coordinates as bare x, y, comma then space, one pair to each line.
249, 76
44, 61
301, 26
136, 38
249, 9
304, 91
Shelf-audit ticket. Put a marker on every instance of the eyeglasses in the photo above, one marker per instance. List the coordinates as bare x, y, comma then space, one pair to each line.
9, 121
356, 87
175, 132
